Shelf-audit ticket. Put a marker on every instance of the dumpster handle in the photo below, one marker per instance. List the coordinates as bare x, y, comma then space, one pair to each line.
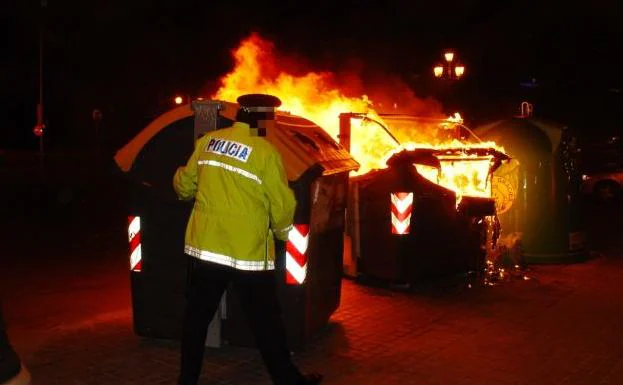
365, 119
306, 140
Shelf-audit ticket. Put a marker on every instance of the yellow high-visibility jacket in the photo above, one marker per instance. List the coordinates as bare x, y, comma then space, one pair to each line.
241, 198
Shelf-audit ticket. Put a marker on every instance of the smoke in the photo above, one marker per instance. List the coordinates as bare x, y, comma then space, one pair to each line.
390, 94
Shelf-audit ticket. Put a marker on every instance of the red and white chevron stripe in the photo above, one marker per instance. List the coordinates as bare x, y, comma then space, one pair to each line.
402, 205
296, 259
134, 237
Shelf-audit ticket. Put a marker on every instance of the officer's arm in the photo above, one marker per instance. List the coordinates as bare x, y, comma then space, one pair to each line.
280, 196
185, 178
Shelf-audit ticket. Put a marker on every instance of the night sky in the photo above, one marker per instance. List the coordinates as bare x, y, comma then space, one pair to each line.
129, 57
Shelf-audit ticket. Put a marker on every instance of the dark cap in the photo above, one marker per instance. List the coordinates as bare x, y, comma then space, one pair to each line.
258, 102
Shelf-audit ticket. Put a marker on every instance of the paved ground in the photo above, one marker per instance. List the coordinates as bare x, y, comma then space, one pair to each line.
65, 289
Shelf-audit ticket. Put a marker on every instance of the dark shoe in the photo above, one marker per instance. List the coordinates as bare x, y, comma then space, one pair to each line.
311, 379
9, 363
22, 378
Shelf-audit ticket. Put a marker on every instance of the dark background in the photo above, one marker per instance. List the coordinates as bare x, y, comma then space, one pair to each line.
128, 58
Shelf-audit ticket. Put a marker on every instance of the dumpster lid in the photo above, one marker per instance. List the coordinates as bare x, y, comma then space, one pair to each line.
430, 156
126, 155
552, 130
302, 144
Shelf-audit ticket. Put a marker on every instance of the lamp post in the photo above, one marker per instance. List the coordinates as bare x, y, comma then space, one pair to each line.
39, 128
98, 144
451, 69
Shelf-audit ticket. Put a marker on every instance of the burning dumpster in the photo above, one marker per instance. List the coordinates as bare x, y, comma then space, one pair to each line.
394, 208
309, 278
538, 193
427, 214
406, 228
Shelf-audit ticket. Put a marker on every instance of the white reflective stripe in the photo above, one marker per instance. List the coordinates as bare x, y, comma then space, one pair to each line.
285, 229
298, 272
226, 260
134, 227
135, 257
401, 227
402, 204
299, 241
229, 167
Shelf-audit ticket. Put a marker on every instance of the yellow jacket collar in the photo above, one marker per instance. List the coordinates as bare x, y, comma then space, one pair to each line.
241, 125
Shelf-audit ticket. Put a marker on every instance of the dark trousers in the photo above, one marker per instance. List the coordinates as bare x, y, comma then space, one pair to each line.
9, 362
256, 291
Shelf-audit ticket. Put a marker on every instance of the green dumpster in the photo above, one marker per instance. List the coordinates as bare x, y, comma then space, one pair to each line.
538, 193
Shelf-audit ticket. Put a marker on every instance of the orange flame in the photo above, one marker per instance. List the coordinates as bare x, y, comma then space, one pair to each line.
315, 96
311, 95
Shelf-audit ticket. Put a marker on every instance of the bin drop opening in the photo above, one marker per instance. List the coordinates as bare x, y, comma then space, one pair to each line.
464, 174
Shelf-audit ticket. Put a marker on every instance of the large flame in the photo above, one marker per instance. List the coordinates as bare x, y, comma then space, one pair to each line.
315, 96
312, 96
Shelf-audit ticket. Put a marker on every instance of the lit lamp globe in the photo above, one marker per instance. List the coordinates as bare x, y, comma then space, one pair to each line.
178, 100
459, 70
449, 56
438, 71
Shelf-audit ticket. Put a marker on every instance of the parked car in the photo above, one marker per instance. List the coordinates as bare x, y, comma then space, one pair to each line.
604, 186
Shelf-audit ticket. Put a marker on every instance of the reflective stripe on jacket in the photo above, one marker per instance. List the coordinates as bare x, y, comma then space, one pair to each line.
241, 198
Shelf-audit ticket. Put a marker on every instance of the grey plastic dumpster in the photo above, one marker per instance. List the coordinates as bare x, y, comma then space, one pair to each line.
309, 284
538, 195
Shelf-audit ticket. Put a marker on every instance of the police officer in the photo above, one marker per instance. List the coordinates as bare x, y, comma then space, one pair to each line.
242, 201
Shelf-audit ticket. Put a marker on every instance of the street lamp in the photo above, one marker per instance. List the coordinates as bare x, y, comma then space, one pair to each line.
451, 69
178, 100
449, 55
459, 70
39, 128
438, 70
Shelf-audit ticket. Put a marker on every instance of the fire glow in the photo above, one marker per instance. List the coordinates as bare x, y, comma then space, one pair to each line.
315, 96
464, 175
